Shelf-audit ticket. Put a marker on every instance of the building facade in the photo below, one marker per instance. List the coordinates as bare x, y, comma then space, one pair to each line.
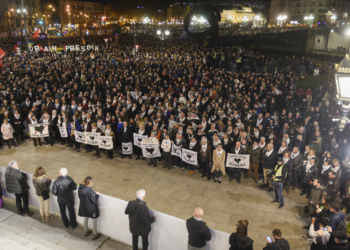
177, 12
313, 12
241, 14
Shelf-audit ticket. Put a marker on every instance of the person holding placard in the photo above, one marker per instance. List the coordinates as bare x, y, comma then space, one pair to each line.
86, 127
237, 150
152, 139
205, 157
95, 129
72, 127
141, 131
194, 146
33, 121
125, 136
219, 156
109, 132
179, 141
166, 146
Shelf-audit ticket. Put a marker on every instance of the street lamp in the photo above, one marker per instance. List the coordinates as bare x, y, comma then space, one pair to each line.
309, 19
256, 19
245, 20
281, 19
333, 18
162, 35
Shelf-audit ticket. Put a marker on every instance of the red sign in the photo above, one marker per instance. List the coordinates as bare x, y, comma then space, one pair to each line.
2, 53
36, 34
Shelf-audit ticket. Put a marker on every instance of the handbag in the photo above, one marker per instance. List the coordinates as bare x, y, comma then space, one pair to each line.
44, 194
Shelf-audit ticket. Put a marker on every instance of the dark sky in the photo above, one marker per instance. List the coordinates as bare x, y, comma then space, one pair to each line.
123, 6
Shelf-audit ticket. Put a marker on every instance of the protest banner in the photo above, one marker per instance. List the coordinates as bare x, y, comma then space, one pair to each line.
79, 136
138, 139
127, 148
63, 132
189, 156
91, 138
39, 130
237, 161
175, 150
105, 142
150, 150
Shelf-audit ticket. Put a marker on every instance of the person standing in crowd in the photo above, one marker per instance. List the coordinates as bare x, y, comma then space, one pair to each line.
33, 121
95, 129
340, 241
279, 244
139, 220
109, 132
180, 142
72, 127
219, 157
279, 175
268, 163
7, 133
254, 151
239, 240
63, 187
18, 125
152, 139
125, 136
16, 183
205, 157
193, 146
166, 146
88, 207
237, 150
297, 159
198, 231
309, 173
141, 131
288, 162
42, 185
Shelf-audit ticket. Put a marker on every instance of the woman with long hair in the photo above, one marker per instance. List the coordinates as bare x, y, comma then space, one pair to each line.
88, 207
42, 185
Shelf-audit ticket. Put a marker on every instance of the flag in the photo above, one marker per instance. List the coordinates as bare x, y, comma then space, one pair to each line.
2, 53
16, 46
30, 43
36, 34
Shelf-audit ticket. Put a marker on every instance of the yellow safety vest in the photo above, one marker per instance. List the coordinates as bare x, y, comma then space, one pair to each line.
278, 173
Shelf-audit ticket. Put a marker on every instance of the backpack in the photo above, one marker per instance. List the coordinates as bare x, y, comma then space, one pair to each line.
342, 225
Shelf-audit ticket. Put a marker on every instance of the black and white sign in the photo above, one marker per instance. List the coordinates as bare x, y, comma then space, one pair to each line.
39, 130
133, 94
79, 136
150, 150
237, 161
102, 127
189, 156
138, 139
63, 132
175, 150
171, 125
91, 138
127, 148
105, 142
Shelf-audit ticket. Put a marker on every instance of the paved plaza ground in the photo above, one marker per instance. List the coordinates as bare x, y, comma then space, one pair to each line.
173, 192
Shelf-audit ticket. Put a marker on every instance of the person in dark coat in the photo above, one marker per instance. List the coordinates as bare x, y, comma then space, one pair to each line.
237, 150
193, 146
288, 162
340, 239
279, 244
139, 220
16, 183
309, 172
239, 240
88, 207
268, 162
125, 136
205, 157
198, 231
63, 188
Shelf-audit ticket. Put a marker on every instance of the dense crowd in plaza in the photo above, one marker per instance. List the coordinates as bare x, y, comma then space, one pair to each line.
213, 101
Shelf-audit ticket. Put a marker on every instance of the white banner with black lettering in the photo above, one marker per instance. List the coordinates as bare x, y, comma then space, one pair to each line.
39, 130
237, 161
63, 132
189, 156
79, 136
138, 139
105, 142
175, 150
127, 148
91, 138
150, 150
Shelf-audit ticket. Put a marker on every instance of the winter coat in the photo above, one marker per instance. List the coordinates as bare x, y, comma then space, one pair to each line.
316, 198
254, 154
126, 136
16, 181
63, 188
198, 233
268, 162
7, 131
41, 183
88, 202
310, 175
239, 242
289, 165
219, 160
298, 162
279, 244
139, 218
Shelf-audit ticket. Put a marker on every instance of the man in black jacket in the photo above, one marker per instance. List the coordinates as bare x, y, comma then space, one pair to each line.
280, 243
268, 163
198, 231
139, 220
340, 239
16, 183
63, 188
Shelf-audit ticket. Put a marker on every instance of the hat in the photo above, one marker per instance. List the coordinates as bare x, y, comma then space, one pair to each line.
340, 235
279, 159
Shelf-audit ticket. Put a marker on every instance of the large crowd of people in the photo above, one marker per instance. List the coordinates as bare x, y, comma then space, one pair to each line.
213, 101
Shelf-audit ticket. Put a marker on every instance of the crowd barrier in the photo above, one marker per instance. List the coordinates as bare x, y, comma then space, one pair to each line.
167, 232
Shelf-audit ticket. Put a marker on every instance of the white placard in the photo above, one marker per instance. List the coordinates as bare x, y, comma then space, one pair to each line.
79, 136
175, 150
91, 138
138, 139
39, 130
194, 126
63, 132
150, 150
133, 94
127, 148
105, 142
189, 156
172, 124
237, 161
102, 127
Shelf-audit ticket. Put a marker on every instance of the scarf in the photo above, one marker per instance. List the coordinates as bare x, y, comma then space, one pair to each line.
192, 144
204, 147
268, 153
259, 121
219, 152
150, 111
225, 141
28, 103
294, 155
280, 151
285, 160
17, 116
94, 130
255, 147
33, 122
178, 141
325, 168
308, 166
262, 145
107, 132
336, 169
141, 132
167, 141
216, 143
46, 121
204, 124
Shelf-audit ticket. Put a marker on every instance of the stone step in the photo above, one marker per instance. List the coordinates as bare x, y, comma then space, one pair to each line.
28, 241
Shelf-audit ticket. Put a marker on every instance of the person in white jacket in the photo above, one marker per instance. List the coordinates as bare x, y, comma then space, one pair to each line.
152, 139
166, 146
325, 232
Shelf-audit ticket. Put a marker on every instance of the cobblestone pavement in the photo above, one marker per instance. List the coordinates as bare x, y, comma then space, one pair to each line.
173, 192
